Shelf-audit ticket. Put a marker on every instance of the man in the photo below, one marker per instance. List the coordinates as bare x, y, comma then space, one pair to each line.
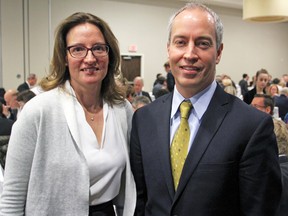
30, 82
265, 103
10, 110
138, 84
169, 77
140, 101
244, 84
6, 124
232, 165
161, 84
281, 102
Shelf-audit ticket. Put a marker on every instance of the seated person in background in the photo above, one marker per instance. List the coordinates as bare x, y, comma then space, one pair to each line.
161, 92
281, 132
228, 86
130, 93
5, 124
161, 84
286, 119
138, 86
281, 102
156, 81
169, 77
265, 103
12, 106
2, 93
272, 90
23, 97
140, 101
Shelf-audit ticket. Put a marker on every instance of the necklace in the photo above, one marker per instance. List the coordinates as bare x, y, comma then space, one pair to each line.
90, 115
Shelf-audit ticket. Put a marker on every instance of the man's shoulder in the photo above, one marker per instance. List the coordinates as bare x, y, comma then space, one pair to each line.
23, 86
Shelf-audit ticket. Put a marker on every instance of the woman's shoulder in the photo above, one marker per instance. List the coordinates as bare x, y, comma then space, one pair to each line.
45, 99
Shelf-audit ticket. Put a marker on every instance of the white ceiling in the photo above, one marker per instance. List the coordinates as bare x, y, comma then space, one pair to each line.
237, 4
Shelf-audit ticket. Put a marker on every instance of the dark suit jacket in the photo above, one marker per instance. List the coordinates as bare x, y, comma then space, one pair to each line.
144, 93
283, 207
248, 97
244, 86
232, 167
170, 81
5, 126
13, 114
24, 86
281, 102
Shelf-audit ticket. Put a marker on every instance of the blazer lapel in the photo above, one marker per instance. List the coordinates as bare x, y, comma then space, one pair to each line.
212, 120
67, 103
163, 141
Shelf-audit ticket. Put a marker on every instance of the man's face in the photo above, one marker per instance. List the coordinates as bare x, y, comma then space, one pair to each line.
192, 51
138, 85
32, 81
258, 103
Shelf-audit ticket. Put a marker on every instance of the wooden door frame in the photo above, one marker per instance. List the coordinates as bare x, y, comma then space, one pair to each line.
142, 61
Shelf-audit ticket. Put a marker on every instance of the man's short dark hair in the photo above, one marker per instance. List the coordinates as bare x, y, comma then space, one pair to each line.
244, 75
268, 101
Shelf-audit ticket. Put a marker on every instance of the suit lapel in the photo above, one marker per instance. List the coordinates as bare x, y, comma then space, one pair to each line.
163, 140
211, 122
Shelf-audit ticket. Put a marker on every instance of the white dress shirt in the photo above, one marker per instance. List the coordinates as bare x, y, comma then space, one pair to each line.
200, 103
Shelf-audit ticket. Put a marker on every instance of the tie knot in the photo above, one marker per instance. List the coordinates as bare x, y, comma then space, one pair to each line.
185, 108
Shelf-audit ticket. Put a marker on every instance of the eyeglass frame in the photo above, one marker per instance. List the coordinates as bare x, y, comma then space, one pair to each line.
258, 106
88, 49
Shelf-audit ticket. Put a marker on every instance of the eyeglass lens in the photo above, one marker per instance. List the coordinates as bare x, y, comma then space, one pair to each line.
98, 50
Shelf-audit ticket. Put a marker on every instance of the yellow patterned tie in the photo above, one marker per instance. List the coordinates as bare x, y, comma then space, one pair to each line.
179, 147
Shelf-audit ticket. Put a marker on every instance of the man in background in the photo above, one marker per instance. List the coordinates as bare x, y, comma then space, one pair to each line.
138, 84
281, 102
170, 78
244, 84
30, 82
10, 110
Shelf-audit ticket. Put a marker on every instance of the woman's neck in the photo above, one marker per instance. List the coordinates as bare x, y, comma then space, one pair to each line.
259, 90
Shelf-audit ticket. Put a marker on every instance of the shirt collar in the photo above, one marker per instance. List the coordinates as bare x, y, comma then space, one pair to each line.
200, 101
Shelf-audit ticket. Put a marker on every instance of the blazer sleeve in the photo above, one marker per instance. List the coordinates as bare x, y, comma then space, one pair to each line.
259, 172
137, 168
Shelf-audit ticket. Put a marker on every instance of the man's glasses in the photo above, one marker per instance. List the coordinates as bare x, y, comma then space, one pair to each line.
258, 106
79, 51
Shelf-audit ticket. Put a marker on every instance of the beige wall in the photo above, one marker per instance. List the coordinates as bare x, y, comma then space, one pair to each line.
247, 46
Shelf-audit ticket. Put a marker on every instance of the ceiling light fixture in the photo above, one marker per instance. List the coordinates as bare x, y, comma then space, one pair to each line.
265, 10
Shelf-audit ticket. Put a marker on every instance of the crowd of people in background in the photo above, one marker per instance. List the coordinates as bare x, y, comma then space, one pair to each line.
64, 107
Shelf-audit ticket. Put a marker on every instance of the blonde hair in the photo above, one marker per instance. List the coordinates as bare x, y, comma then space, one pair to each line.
227, 82
281, 133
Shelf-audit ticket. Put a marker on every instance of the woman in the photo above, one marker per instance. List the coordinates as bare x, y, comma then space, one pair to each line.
261, 80
273, 90
68, 151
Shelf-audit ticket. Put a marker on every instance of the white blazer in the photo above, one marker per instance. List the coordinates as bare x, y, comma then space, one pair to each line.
46, 172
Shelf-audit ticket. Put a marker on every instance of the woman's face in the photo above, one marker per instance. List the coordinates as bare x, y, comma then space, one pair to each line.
274, 90
262, 81
87, 72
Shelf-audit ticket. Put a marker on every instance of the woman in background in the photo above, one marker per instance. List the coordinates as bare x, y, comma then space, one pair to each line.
261, 81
